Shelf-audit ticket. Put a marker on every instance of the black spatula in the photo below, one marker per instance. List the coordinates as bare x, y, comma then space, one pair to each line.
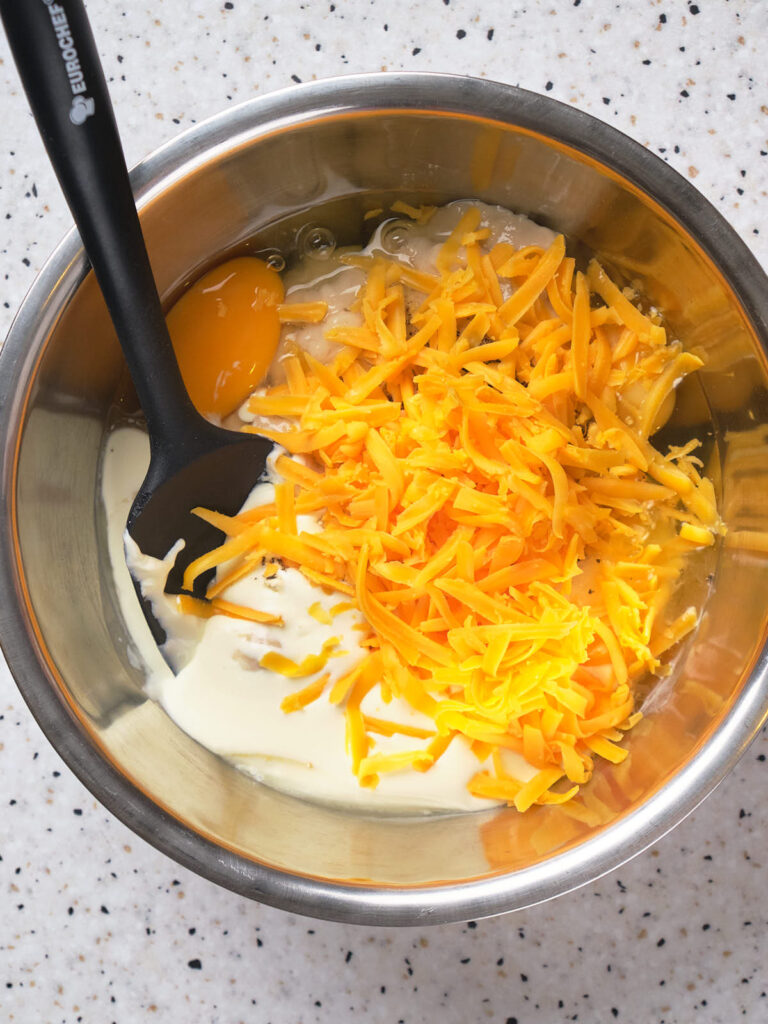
192, 461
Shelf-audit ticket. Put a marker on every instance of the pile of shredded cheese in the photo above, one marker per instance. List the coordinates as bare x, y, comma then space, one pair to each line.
478, 457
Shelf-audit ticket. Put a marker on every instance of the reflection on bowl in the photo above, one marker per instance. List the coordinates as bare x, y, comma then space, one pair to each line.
245, 182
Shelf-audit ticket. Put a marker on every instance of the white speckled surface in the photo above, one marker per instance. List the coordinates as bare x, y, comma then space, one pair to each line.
96, 925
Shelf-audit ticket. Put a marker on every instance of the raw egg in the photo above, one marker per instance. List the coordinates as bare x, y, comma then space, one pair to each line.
225, 330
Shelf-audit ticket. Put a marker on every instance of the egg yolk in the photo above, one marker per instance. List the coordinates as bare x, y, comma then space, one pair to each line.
225, 330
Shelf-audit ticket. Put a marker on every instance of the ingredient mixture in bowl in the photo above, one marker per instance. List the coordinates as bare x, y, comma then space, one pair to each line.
468, 552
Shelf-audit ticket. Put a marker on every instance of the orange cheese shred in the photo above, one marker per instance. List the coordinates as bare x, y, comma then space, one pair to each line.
302, 312
307, 695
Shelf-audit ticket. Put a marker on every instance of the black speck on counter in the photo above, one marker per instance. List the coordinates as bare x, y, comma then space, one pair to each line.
195, 964
489, 35
460, 34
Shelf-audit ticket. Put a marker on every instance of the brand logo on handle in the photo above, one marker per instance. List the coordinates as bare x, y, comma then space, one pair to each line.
82, 106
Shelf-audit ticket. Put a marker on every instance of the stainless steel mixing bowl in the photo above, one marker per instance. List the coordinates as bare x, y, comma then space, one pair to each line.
244, 181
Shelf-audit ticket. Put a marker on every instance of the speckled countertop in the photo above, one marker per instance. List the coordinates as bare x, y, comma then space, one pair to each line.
97, 926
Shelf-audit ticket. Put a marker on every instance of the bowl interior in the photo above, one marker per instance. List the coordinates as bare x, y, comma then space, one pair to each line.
249, 194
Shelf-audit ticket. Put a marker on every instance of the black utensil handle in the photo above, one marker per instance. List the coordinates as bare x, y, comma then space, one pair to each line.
60, 70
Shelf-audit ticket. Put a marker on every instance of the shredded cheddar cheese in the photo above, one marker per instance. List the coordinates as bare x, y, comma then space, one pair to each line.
479, 456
